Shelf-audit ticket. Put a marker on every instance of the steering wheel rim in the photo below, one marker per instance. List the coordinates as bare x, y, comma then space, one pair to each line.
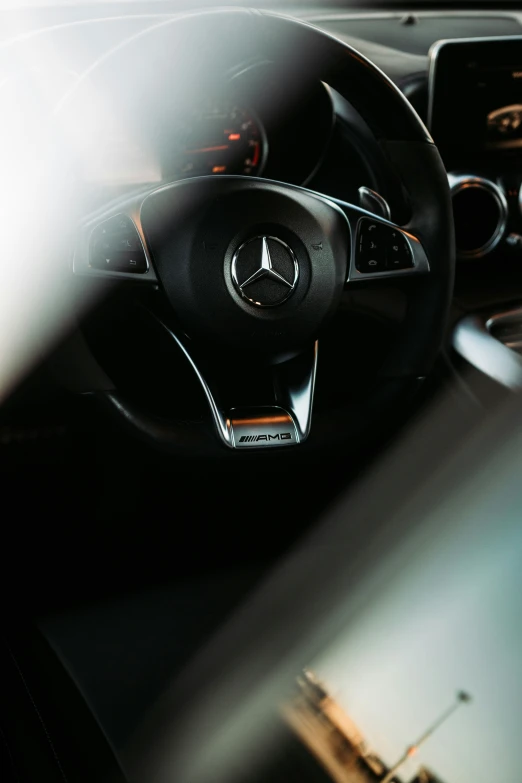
406, 145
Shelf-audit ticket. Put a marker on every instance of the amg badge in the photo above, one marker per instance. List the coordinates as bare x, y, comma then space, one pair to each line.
262, 428
256, 438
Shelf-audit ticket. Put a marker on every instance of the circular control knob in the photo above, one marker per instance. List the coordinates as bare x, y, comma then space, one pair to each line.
480, 212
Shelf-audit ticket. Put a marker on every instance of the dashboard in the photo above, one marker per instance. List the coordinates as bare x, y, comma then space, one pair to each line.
462, 71
254, 123
214, 137
246, 123
475, 108
257, 121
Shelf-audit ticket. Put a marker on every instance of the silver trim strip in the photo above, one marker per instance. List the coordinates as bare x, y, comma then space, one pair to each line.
510, 317
460, 182
520, 198
295, 390
472, 340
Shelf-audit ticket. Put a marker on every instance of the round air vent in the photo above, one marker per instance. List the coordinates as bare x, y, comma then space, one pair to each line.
480, 213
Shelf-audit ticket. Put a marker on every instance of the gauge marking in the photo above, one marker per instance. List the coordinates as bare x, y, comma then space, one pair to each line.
219, 139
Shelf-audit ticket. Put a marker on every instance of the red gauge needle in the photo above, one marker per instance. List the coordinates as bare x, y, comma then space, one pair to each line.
208, 149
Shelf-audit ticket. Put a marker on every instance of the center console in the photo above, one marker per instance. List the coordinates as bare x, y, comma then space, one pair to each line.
475, 117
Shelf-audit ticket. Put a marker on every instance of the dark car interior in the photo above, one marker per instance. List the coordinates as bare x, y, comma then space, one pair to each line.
280, 235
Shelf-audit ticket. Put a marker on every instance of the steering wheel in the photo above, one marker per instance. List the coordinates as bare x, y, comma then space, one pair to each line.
250, 271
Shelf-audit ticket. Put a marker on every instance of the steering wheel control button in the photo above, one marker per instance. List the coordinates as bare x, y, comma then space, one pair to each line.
265, 271
116, 247
398, 253
118, 261
381, 248
371, 256
119, 225
118, 244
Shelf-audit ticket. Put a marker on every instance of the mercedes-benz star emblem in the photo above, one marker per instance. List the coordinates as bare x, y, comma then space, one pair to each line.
265, 271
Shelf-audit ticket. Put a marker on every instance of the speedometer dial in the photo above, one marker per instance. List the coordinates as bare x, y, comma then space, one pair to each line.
220, 140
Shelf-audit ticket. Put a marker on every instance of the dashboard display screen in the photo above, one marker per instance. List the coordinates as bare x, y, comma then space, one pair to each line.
218, 139
475, 93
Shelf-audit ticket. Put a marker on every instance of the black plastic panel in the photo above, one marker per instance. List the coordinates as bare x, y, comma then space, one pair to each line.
398, 32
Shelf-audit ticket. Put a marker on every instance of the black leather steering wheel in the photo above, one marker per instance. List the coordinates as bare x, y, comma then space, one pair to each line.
253, 269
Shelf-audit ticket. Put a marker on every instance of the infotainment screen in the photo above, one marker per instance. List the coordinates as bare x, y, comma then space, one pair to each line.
475, 92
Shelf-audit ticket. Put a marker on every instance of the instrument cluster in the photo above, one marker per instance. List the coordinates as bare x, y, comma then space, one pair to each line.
219, 139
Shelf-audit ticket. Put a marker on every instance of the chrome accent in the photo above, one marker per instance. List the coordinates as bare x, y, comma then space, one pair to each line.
130, 208
420, 261
267, 427
473, 341
511, 337
368, 195
520, 198
294, 385
265, 269
460, 182
514, 240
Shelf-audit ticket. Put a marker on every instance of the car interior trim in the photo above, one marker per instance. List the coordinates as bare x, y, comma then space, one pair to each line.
461, 182
473, 341
507, 327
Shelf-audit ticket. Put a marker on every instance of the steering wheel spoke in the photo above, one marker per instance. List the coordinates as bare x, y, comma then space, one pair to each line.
283, 419
111, 245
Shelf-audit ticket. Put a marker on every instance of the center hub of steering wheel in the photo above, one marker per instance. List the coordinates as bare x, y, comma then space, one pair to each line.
265, 271
246, 263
